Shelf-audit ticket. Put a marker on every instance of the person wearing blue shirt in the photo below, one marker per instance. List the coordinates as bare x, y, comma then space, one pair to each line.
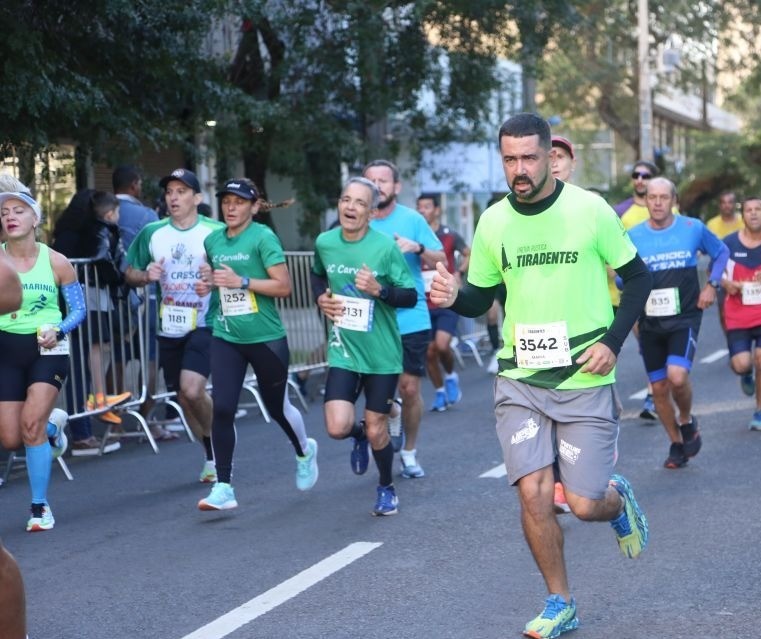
419, 244
133, 214
670, 321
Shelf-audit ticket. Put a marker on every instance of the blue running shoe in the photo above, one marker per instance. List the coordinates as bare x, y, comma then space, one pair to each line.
410, 468
387, 502
307, 471
58, 440
648, 409
440, 402
755, 422
631, 525
360, 455
748, 384
221, 497
557, 617
452, 385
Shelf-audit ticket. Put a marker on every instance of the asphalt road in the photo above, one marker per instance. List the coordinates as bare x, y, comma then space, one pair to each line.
132, 557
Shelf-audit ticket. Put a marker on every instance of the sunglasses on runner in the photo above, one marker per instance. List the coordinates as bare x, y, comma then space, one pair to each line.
639, 174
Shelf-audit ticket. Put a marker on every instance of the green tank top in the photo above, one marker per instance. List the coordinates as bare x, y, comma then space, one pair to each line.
39, 302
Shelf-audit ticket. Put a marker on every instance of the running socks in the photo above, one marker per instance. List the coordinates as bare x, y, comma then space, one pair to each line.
384, 460
38, 469
206, 445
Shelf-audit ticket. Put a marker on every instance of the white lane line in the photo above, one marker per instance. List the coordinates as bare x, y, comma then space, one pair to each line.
495, 473
256, 607
714, 356
639, 394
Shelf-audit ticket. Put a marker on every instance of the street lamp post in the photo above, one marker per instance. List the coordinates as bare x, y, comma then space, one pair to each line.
645, 97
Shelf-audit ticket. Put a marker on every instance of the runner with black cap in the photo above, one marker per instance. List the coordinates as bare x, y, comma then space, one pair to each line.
248, 271
171, 252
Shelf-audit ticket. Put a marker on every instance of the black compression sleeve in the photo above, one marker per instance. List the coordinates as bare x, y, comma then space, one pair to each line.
637, 285
319, 284
400, 297
473, 301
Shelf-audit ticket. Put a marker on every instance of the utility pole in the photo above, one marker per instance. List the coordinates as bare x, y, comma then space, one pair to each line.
645, 94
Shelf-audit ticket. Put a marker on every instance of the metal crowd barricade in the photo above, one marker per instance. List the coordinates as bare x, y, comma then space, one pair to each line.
470, 333
116, 325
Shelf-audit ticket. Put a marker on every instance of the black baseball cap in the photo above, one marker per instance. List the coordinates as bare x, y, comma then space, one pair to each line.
188, 178
239, 188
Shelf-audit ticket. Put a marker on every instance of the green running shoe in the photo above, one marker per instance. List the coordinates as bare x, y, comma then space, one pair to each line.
41, 519
631, 525
307, 471
221, 497
557, 617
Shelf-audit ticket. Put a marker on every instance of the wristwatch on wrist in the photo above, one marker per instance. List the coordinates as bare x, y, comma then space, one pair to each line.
714, 283
60, 335
244, 283
421, 250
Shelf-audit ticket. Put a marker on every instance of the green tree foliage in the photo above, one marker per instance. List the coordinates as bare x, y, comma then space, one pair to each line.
109, 74
345, 81
591, 71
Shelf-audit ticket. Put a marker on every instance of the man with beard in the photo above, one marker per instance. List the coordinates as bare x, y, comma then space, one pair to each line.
419, 244
548, 242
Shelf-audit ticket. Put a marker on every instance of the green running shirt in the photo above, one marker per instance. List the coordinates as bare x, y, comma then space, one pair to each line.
39, 298
377, 351
249, 254
552, 260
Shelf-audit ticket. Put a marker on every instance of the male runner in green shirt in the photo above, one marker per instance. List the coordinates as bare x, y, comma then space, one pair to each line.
360, 278
549, 242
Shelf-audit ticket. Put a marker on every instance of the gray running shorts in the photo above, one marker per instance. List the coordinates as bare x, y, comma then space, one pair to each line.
579, 427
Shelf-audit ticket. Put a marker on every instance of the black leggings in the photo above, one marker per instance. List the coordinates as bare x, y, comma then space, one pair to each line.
229, 362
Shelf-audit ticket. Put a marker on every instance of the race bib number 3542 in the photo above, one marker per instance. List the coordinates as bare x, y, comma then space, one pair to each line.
542, 345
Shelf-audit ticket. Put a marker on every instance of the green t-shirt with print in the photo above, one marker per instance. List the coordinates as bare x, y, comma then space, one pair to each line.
376, 348
551, 255
246, 317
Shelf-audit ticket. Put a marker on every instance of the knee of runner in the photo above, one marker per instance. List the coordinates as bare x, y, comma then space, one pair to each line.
10, 441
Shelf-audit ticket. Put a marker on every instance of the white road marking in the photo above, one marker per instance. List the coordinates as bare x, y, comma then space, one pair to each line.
495, 473
256, 607
714, 356
639, 394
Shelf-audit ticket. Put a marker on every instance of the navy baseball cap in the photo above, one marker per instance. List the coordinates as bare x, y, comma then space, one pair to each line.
239, 188
188, 178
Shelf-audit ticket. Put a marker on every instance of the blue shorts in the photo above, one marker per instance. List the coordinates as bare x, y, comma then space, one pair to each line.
672, 348
742, 340
443, 319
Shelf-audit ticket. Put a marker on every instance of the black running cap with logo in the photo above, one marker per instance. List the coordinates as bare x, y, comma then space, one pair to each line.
239, 188
188, 178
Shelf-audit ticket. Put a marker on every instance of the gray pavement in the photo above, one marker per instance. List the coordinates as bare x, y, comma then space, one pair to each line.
132, 557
